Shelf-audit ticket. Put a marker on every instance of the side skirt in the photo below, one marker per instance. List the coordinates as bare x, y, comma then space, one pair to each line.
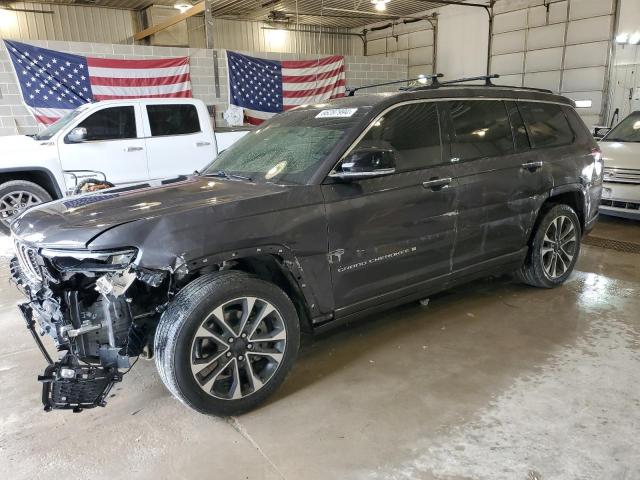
499, 265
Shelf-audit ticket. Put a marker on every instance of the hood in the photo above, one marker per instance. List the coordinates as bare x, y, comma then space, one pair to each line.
23, 151
624, 155
72, 222
17, 142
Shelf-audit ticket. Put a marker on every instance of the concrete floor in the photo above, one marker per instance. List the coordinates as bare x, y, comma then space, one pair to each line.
494, 380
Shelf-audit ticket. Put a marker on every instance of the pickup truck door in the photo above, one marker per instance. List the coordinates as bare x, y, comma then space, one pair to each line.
177, 140
113, 145
392, 236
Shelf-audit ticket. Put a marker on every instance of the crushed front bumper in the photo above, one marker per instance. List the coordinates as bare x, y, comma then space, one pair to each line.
66, 383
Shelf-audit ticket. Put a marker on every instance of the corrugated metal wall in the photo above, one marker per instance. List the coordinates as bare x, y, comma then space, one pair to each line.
68, 22
104, 25
251, 36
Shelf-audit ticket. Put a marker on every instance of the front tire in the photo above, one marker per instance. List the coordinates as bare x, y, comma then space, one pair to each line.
15, 197
226, 342
554, 249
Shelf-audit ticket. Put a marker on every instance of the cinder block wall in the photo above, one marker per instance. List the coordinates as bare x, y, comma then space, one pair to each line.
15, 118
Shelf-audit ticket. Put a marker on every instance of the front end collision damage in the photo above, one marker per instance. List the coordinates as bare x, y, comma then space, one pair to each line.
102, 319
99, 319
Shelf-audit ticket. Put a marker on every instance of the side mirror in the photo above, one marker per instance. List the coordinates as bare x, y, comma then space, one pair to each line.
600, 132
77, 135
366, 163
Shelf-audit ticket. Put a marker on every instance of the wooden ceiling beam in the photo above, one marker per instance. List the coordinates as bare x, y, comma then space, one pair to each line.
153, 29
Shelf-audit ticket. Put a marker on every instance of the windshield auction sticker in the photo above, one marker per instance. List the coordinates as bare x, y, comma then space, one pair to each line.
337, 113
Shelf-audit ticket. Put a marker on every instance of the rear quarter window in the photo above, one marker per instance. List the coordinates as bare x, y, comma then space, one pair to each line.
173, 119
547, 124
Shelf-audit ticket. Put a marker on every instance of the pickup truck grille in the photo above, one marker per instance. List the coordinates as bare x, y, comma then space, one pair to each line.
622, 175
28, 261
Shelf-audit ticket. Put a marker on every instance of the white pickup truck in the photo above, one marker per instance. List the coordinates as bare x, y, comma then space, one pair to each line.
126, 141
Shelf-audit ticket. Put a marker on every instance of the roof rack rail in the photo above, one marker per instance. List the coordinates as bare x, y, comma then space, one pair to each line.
487, 83
434, 81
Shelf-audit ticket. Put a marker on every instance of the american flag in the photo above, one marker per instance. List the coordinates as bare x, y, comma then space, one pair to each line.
266, 87
54, 83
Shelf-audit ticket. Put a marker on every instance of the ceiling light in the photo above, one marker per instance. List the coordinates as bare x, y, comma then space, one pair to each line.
183, 7
276, 38
7, 18
622, 38
380, 5
635, 39
584, 103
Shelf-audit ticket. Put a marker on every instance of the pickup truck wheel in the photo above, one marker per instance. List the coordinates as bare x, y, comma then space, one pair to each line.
226, 342
15, 197
554, 250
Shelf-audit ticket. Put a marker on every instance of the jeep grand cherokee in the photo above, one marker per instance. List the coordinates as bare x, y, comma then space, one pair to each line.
325, 213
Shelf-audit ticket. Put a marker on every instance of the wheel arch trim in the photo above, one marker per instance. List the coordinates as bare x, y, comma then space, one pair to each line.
53, 186
285, 257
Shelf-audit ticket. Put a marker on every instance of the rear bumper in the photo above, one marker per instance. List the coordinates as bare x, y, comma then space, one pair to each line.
621, 200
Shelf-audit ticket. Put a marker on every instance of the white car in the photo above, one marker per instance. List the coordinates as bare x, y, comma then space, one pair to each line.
126, 141
621, 155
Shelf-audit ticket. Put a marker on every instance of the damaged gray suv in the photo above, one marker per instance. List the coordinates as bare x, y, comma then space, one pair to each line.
324, 214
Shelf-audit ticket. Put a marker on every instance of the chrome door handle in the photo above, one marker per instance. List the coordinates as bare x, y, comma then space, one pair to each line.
532, 166
133, 149
437, 183
203, 144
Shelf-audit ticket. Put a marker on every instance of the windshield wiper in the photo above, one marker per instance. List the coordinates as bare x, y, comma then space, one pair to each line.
223, 174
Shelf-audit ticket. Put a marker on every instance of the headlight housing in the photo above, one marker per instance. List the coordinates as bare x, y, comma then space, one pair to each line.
93, 261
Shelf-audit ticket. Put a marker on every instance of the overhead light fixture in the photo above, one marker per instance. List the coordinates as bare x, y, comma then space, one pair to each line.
182, 6
635, 38
622, 38
7, 18
584, 103
380, 5
276, 38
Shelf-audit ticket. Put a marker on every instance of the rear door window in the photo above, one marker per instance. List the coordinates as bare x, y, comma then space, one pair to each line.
173, 120
547, 124
481, 129
412, 131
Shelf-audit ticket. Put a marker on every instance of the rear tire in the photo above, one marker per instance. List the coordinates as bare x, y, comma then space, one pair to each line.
554, 249
226, 342
16, 196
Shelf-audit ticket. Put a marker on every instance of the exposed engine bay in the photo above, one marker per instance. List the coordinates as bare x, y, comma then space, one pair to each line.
101, 311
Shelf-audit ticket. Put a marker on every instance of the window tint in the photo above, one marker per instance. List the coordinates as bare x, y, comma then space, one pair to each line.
481, 129
520, 135
173, 119
547, 124
413, 131
111, 124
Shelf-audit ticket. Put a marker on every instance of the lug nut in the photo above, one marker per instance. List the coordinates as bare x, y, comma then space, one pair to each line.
250, 346
231, 340
244, 335
240, 358
228, 354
